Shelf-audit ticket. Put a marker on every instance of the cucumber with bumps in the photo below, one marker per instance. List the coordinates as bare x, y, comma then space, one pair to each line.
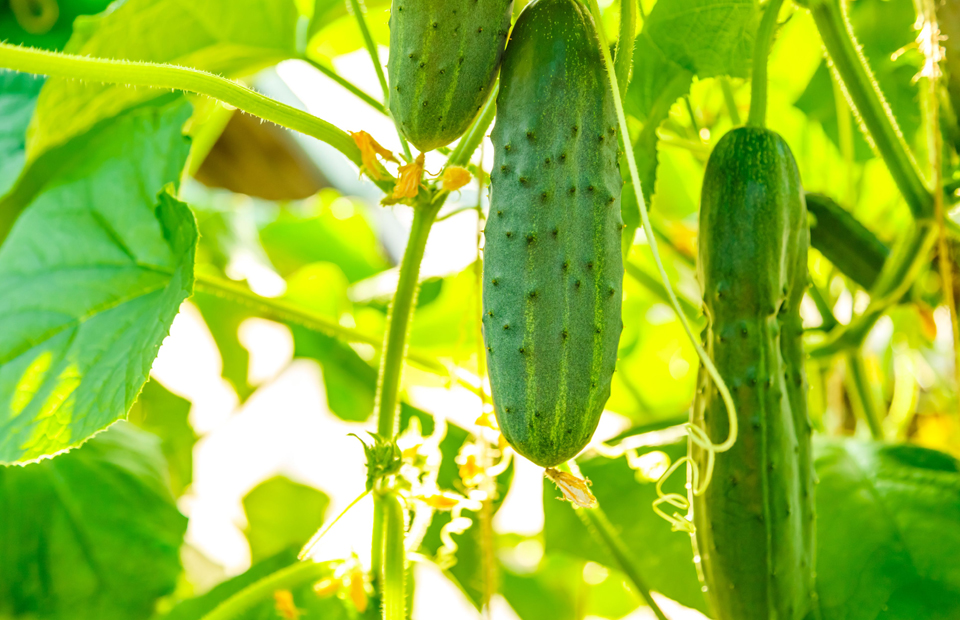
444, 56
553, 273
755, 522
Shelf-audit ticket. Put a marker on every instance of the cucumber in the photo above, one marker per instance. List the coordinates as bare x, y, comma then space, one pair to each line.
755, 522
845, 242
553, 274
444, 56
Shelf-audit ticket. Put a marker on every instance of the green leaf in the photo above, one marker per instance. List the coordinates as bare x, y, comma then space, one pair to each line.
167, 416
229, 37
18, 97
334, 233
223, 318
887, 517
664, 558
682, 39
95, 270
90, 535
40, 32
282, 514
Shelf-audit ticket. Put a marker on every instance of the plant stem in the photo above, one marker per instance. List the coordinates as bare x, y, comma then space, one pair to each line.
865, 97
654, 286
355, 90
598, 524
625, 44
286, 312
398, 320
761, 52
169, 77
730, 100
371, 45
394, 559
829, 321
477, 131
863, 395
935, 147
708, 364
293, 576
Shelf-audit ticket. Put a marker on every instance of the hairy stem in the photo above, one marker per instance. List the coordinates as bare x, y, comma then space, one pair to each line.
394, 559
761, 51
169, 77
293, 576
625, 44
286, 312
867, 100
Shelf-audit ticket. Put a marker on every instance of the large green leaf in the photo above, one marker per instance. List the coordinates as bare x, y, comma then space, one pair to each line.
682, 39
49, 30
167, 416
272, 526
230, 37
888, 519
93, 272
90, 535
18, 96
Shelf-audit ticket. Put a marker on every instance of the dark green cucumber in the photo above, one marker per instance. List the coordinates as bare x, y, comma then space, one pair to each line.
845, 242
755, 522
553, 273
444, 56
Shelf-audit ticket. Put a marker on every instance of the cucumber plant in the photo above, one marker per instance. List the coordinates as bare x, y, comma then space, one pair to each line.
99, 249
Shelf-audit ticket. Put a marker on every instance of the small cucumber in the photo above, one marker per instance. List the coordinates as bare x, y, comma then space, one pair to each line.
553, 274
755, 522
444, 56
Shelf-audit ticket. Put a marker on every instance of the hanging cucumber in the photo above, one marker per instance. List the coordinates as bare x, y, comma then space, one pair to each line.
553, 272
755, 522
444, 56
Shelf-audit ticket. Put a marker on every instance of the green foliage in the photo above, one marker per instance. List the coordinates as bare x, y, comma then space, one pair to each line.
90, 535
51, 28
886, 516
98, 283
18, 96
272, 526
552, 277
167, 416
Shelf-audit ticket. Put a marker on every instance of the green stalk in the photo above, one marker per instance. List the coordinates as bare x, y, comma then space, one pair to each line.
625, 44
169, 77
394, 559
285, 312
471, 140
761, 52
398, 320
294, 576
862, 395
708, 364
352, 88
654, 286
730, 101
829, 320
601, 528
371, 46
867, 100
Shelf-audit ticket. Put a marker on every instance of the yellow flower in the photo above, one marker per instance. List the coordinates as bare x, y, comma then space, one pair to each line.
327, 587
455, 177
358, 589
369, 150
574, 489
410, 176
283, 600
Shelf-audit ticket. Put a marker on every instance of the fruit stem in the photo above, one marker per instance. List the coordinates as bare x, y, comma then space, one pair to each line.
868, 102
394, 559
761, 53
863, 397
730, 101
